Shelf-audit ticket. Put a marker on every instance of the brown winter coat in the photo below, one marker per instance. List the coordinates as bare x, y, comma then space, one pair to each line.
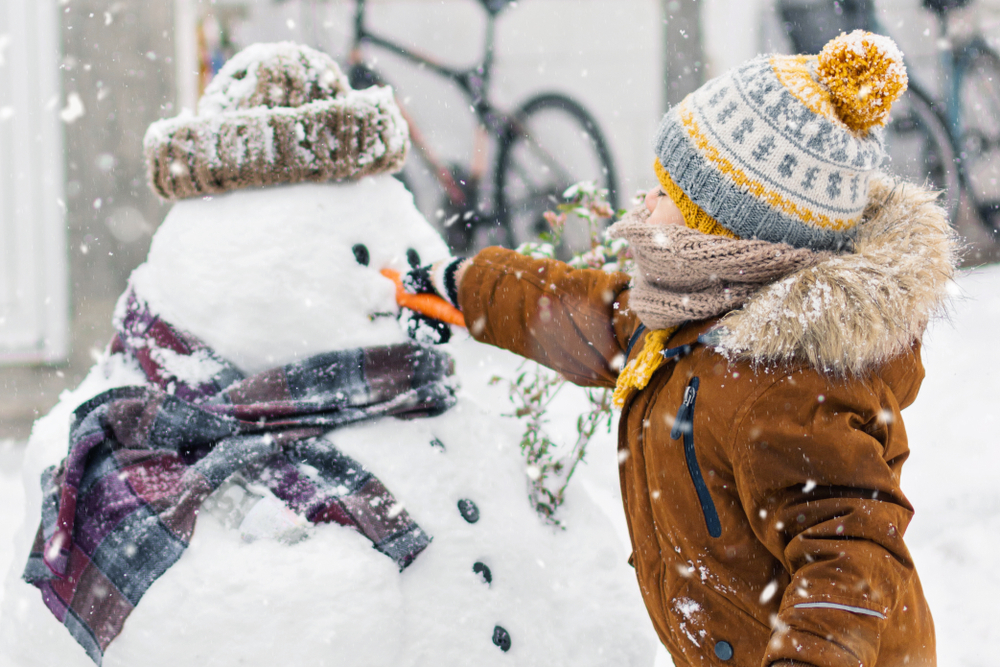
773, 529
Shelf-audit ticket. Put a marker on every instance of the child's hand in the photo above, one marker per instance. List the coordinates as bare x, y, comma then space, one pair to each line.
439, 279
418, 280
429, 325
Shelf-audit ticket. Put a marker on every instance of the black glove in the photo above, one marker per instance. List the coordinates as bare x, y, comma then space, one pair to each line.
437, 279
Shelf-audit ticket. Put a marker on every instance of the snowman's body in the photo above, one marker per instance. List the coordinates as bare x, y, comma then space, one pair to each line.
268, 276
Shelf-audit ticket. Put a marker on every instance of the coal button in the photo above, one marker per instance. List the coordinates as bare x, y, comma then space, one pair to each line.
724, 650
469, 510
501, 638
484, 570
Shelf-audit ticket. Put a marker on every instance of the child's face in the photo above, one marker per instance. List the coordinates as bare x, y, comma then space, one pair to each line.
663, 210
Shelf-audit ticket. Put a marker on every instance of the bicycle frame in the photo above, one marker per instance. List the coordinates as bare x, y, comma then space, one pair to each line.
950, 72
956, 62
473, 81
950, 109
474, 84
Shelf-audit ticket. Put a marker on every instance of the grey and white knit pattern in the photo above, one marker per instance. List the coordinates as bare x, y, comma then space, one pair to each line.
765, 165
276, 113
684, 275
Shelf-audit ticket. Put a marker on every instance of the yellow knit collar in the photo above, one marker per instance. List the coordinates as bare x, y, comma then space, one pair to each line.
637, 372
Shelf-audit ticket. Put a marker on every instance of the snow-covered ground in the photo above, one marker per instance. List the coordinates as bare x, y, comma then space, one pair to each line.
950, 477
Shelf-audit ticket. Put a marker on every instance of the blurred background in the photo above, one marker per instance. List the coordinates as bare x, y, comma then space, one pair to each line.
81, 80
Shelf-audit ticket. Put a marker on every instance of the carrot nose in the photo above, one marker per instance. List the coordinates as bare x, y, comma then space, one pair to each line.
430, 305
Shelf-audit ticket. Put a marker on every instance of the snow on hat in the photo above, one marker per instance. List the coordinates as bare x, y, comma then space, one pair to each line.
276, 113
783, 148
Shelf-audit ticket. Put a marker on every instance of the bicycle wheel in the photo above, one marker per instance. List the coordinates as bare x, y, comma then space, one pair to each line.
550, 143
979, 123
920, 148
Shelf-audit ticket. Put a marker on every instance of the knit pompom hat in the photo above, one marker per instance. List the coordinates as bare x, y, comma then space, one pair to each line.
782, 149
276, 113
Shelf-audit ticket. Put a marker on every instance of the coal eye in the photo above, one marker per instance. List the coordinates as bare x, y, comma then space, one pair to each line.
413, 258
361, 254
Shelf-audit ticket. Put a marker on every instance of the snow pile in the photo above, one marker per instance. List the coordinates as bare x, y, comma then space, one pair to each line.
12, 502
211, 269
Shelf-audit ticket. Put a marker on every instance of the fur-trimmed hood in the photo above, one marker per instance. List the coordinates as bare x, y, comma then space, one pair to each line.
853, 311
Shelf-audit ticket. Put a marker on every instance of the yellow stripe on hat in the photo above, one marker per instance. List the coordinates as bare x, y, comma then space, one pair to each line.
794, 74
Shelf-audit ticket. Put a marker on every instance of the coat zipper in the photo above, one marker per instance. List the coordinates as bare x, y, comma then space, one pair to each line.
684, 427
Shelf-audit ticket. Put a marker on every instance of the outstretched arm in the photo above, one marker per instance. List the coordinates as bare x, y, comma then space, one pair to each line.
575, 321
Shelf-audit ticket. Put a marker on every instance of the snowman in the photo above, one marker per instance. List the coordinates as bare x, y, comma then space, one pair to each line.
415, 543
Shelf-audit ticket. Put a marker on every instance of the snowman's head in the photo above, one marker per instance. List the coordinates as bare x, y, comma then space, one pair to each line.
285, 212
270, 275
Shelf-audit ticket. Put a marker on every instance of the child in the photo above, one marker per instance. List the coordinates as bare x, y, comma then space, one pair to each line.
761, 355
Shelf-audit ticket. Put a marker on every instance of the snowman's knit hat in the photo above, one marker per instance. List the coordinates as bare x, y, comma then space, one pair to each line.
783, 148
276, 113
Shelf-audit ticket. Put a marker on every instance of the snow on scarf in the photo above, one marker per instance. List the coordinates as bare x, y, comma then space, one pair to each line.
121, 508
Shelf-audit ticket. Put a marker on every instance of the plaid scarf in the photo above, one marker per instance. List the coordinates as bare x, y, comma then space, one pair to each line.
121, 508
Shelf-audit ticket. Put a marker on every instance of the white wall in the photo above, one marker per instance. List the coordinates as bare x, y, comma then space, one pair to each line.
605, 53
732, 32
33, 262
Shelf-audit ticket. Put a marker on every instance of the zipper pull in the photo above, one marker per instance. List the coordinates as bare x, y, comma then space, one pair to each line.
685, 413
689, 393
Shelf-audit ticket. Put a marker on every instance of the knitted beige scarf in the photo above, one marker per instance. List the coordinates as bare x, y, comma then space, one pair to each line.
684, 275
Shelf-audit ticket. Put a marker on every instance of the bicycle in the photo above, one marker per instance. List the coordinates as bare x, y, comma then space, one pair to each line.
544, 146
953, 142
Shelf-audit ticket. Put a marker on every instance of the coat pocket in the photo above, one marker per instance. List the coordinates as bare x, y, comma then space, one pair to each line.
710, 630
684, 428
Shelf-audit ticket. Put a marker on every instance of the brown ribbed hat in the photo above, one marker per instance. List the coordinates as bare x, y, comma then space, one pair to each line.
276, 113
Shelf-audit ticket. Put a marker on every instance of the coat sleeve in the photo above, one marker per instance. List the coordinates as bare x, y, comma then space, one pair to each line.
817, 466
575, 321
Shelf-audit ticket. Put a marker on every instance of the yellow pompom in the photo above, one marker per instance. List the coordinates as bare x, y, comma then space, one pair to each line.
865, 75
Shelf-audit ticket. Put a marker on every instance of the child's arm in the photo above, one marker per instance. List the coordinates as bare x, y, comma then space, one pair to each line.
817, 466
575, 321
